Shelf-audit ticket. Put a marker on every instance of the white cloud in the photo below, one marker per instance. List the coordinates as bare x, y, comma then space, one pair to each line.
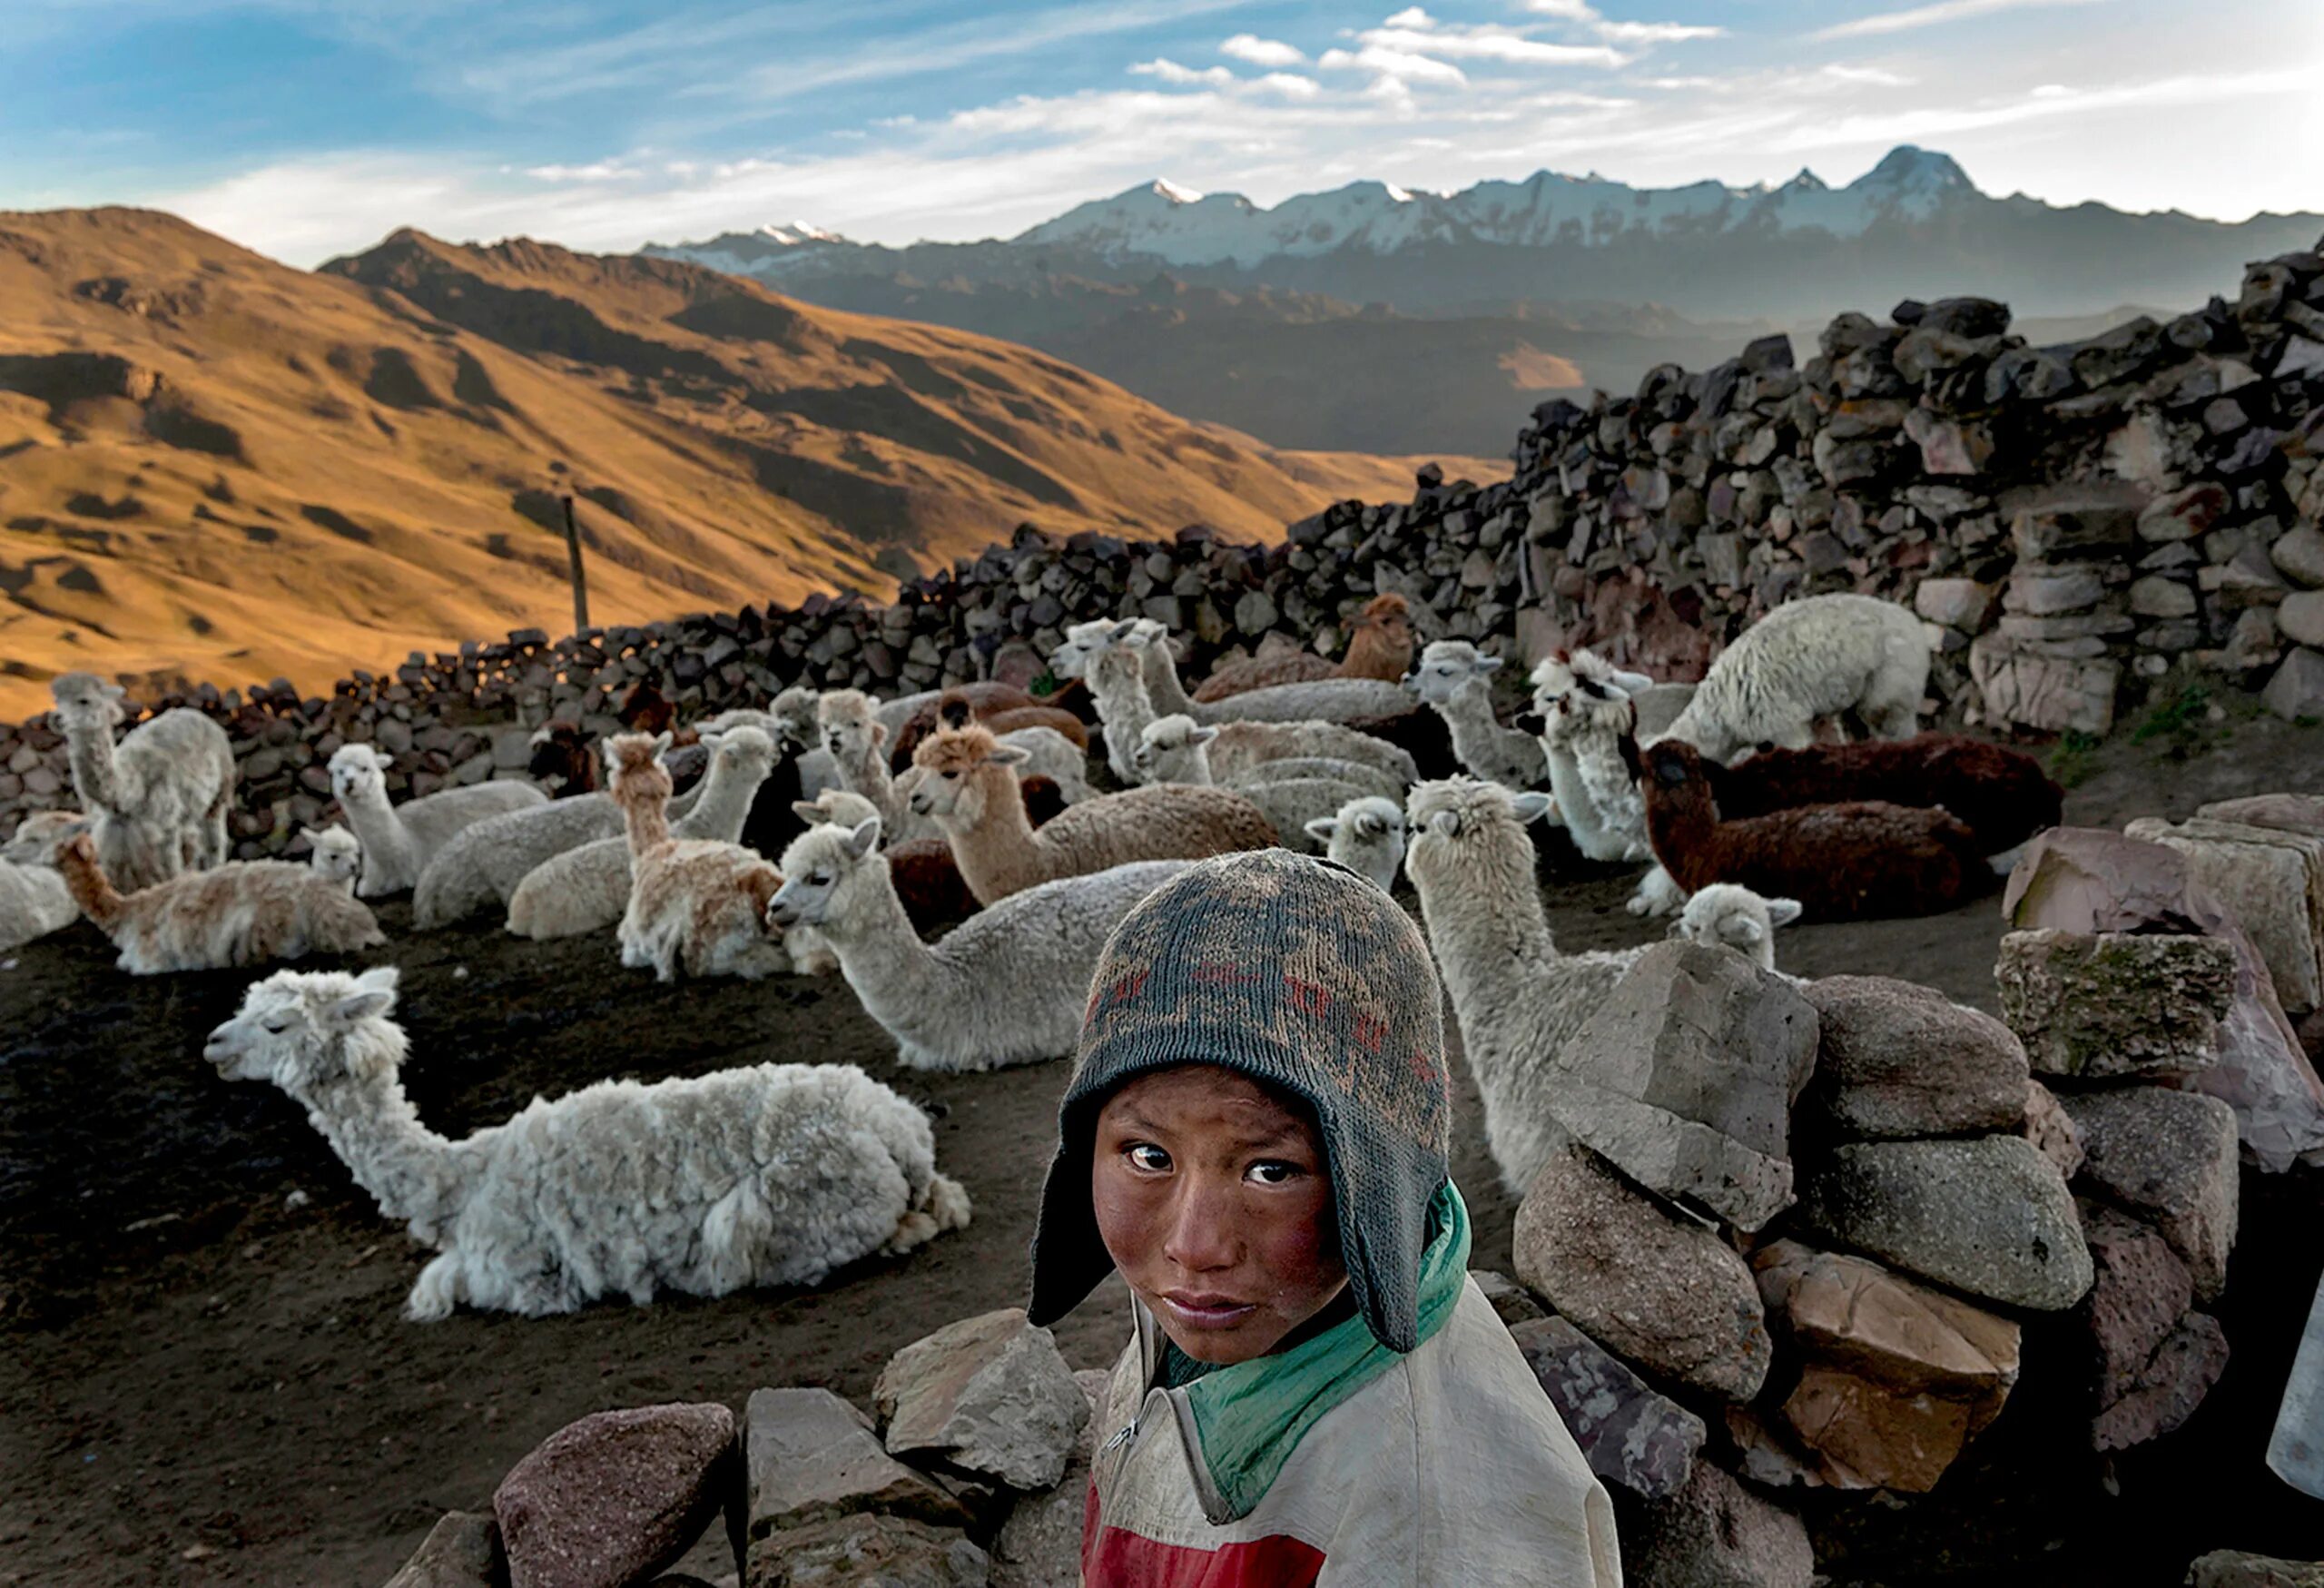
1290, 84
1488, 43
599, 171
1401, 65
1656, 33
2045, 103
1943, 11
1878, 77
1566, 10
1169, 71
1411, 17
1260, 52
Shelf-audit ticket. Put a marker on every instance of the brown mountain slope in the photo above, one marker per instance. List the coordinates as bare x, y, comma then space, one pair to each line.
212, 465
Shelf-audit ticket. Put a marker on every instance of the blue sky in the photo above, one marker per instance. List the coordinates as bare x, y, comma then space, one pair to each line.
306, 128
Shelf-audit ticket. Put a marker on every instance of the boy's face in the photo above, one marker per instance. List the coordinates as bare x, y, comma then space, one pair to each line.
1214, 1201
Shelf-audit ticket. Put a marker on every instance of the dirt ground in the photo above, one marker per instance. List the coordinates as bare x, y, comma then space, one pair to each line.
204, 1377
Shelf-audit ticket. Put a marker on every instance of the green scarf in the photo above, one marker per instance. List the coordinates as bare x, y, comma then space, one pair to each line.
1249, 1417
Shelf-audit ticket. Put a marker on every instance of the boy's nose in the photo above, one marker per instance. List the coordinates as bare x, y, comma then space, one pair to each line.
1202, 1237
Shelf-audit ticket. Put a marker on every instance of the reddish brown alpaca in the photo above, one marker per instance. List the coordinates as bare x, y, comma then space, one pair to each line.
1380, 646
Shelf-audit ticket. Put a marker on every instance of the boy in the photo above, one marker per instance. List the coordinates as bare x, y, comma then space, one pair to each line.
1256, 1136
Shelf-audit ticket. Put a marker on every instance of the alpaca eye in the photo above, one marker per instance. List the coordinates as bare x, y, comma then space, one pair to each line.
820, 880
950, 775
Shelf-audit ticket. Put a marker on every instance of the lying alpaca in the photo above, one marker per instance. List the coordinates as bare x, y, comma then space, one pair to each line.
1817, 656
1238, 750
483, 863
587, 889
1724, 913
1008, 986
2001, 795
156, 801
337, 855
1175, 749
562, 761
1455, 678
244, 913
1517, 999
33, 899
399, 841
1859, 861
955, 709
1357, 700
1367, 835
926, 877
970, 786
771, 1175
694, 905
1380, 646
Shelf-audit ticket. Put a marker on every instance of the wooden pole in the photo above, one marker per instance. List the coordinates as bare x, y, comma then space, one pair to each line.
580, 580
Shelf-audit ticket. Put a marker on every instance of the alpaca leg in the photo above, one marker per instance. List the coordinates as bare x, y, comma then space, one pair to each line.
435, 1292
1657, 894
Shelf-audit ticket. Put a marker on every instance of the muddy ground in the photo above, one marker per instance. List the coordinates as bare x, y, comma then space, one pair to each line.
204, 1377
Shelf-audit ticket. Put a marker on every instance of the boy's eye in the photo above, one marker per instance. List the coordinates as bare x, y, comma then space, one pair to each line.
1274, 1173
1148, 1157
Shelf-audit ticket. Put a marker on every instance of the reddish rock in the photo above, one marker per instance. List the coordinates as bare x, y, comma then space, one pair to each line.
2051, 1129
2155, 1359
614, 1498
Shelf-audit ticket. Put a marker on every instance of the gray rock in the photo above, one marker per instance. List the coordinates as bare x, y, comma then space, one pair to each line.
1717, 1534
2024, 688
1989, 1216
2169, 1158
868, 1551
2298, 553
1628, 1433
1039, 1544
2157, 597
2273, 882
2183, 514
2296, 692
1897, 1059
990, 1395
812, 1456
2114, 1005
1962, 604
2171, 1386
2045, 592
2074, 519
2230, 1568
611, 1499
2300, 616
461, 1551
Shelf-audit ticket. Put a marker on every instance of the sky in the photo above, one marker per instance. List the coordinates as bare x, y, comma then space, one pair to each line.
310, 128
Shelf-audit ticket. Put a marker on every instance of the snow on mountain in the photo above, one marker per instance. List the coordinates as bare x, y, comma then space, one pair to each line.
762, 254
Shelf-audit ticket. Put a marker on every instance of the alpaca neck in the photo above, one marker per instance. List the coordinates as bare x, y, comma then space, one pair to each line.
99, 900
866, 772
1468, 716
1126, 705
1372, 654
1168, 693
645, 820
96, 777
386, 841
879, 954
723, 806
414, 1174
998, 855
1681, 824
1489, 940
1575, 807
1198, 771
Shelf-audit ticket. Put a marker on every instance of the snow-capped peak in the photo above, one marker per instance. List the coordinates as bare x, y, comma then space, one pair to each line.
1175, 193
798, 232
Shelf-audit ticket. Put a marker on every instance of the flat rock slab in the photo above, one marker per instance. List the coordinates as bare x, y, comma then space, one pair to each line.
1630, 1432
1717, 1534
988, 1396
1989, 1216
2170, 1159
1900, 1060
868, 1551
611, 1499
2112, 1005
2273, 880
813, 1457
461, 1551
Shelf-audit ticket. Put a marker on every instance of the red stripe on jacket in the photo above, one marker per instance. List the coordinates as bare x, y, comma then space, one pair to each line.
1112, 1558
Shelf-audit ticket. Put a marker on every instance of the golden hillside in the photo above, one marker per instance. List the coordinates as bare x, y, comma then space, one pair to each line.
215, 467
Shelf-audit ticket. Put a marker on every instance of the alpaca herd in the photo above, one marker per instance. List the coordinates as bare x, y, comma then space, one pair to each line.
957, 858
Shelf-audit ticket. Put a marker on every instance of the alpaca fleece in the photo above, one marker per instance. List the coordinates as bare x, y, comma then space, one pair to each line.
983, 700
2001, 795
1241, 748
338, 855
244, 913
1365, 835
695, 906
776, 1174
483, 863
1455, 678
33, 899
1735, 917
1176, 749
399, 841
156, 801
955, 710
1592, 756
926, 878
1380, 646
1820, 655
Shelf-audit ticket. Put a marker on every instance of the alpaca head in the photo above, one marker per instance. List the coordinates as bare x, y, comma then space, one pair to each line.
561, 760
839, 807
1464, 833
359, 776
1388, 618
646, 709
1166, 749
822, 870
1593, 705
959, 770
793, 712
849, 728
1367, 834
1084, 640
336, 853
1732, 914
1561, 673
954, 709
40, 836
1447, 667
1672, 765
634, 763
1115, 670
306, 1030
741, 755
87, 704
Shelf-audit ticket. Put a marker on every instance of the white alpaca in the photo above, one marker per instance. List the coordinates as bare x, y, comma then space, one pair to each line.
33, 899
1237, 749
1732, 914
790, 721
1330, 700
771, 1175
1456, 678
399, 840
1176, 749
1365, 835
338, 855
1124, 702
694, 905
1584, 711
1007, 986
244, 913
483, 864
857, 743
1817, 657
587, 889
157, 801
1517, 999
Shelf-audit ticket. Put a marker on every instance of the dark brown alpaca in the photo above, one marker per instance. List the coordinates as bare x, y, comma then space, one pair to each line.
2000, 795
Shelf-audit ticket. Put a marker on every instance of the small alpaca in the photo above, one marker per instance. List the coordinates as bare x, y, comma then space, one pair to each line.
399, 841
1517, 999
776, 1174
1367, 835
1585, 715
33, 899
244, 913
790, 721
1008, 986
1455, 678
1380, 646
338, 855
2001, 795
694, 905
926, 877
1727, 914
562, 761
587, 889
1817, 657
1860, 860
969, 785
156, 801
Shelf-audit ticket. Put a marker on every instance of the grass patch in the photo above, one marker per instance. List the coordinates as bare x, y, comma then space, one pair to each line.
2182, 722
2074, 757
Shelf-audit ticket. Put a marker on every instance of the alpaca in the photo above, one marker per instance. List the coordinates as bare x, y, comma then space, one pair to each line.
244, 913
956, 709
1006, 987
1118, 685
926, 877
562, 761
1175, 749
338, 855
906, 729
1332, 700
1820, 655
775, 1174
1518, 1000
856, 741
33, 899
1584, 716
1380, 646
694, 905
1236, 750
399, 841
2001, 795
483, 863
1859, 861
587, 889
1724, 913
157, 801
969, 787
1365, 835
1455, 678
790, 721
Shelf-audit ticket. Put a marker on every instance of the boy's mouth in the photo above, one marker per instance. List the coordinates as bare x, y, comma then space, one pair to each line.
1207, 1312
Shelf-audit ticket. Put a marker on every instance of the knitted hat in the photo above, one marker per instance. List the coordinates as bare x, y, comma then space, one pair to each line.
1298, 973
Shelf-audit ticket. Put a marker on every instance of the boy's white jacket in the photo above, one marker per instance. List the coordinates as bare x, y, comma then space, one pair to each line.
1449, 1470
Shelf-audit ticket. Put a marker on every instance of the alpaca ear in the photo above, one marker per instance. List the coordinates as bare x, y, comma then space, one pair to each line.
865, 838
113, 691
662, 742
1009, 754
1489, 663
1202, 735
1369, 825
1122, 632
1531, 806
1530, 722
1445, 823
1783, 911
879, 735
1746, 930
369, 999
807, 811
1322, 827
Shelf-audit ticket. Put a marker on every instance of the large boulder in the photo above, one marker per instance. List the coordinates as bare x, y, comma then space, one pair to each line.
1671, 1297
2155, 1358
1717, 1534
461, 1551
1684, 1076
611, 1499
1989, 1216
1631, 1433
2273, 881
988, 1396
2112, 1005
1900, 1060
2169, 1158
812, 1456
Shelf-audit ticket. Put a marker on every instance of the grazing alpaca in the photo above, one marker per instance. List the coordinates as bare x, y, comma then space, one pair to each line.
1817, 657
33, 899
2001, 795
562, 761
1367, 835
969, 786
244, 913
1455, 678
1008, 986
907, 728
1860, 860
338, 855
1517, 999
926, 877
1584, 716
1738, 917
587, 889
1380, 646
156, 801
771, 1175
694, 905
399, 841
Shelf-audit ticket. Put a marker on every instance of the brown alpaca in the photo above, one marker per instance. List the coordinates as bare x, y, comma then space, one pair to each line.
2000, 795
953, 711
245, 913
563, 760
968, 783
1858, 861
984, 699
696, 905
1380, 646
